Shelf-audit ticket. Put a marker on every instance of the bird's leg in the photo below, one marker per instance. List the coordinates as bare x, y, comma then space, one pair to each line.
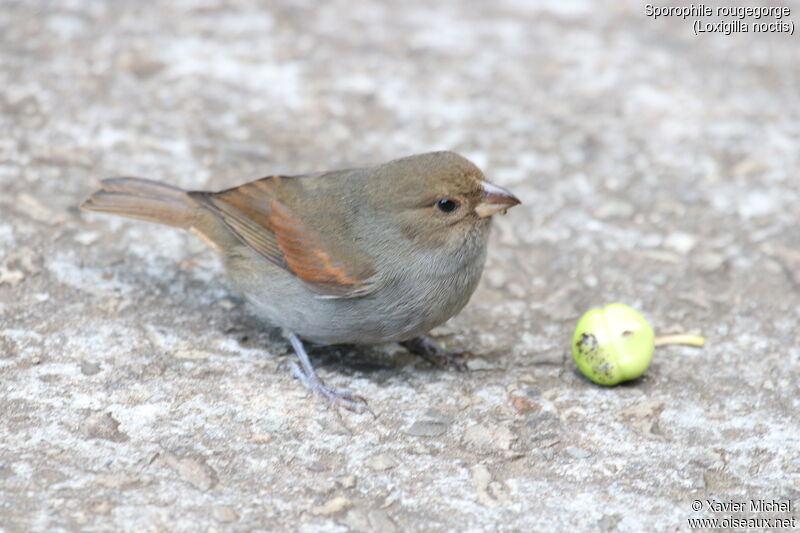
305, 373
426, 348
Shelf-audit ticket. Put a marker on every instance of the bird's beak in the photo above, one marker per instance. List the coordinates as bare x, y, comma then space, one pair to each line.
494, 199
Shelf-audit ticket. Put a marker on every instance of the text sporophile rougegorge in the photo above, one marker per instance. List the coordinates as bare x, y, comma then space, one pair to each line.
729, 19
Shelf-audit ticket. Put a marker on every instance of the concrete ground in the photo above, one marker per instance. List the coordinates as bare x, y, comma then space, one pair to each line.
656, 168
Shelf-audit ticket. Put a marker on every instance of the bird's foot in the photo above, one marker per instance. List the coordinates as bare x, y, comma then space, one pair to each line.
426, 348
332, 397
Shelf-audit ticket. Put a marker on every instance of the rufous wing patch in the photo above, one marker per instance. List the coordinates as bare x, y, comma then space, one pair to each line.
308, 257
262, 222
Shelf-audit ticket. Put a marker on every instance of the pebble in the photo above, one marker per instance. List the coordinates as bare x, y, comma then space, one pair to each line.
560, 305
226, 304
788, 258
427, 428
680, 242
356, 520
489, 437
102, 507
480, 363
379, 520
36, 210
577, 453
332, 506
89, 369
10, 276
194, 471
225, 513
115, 480
521, 404
645, 409
709, 459
756, 203
481, 477
347, 482
184, 350
104, 426
86, 238
490, 493
613, 209
609, 522
8, 347
663, 256
381, 462
708, 261
517, 290
496, 278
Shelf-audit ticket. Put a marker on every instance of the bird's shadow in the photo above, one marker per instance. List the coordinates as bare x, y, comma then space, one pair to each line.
254, 333
344, 359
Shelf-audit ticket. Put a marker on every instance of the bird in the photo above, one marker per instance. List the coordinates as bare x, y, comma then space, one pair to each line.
365, 255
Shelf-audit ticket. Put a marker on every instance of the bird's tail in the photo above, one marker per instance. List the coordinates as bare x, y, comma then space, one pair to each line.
144, 199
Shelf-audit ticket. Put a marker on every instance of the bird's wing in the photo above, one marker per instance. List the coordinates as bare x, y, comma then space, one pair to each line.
260, 214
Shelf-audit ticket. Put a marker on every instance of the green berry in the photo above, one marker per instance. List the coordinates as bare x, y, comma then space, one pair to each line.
613, 344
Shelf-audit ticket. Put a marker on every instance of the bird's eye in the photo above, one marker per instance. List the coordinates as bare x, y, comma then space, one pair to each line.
446, 205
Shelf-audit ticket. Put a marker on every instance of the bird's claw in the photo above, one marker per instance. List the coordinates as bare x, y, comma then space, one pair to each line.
333, 397
455, 360
426, 348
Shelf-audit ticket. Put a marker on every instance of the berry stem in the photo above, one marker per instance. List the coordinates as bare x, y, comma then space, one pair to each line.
681, 338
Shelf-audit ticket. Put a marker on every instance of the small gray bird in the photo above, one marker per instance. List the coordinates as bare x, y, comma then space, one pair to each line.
357, 256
